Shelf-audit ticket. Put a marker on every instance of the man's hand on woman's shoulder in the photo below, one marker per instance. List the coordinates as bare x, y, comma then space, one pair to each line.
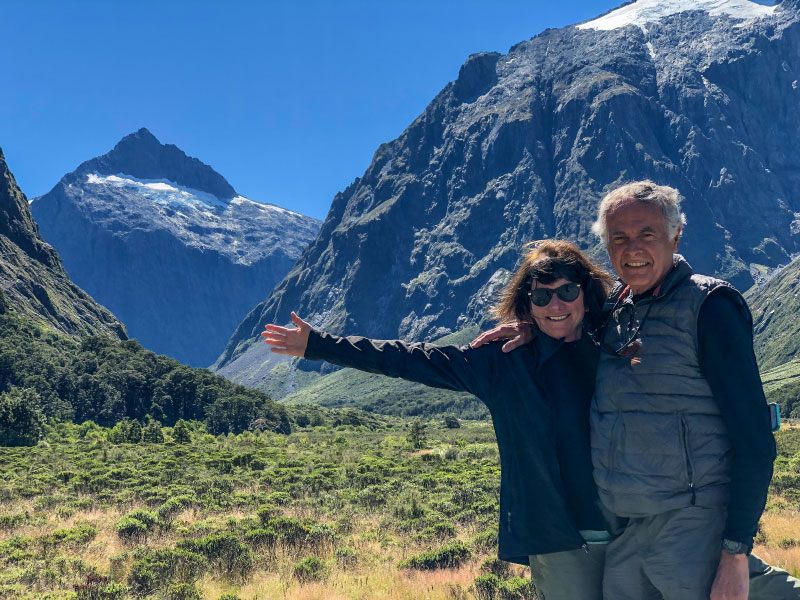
517, 334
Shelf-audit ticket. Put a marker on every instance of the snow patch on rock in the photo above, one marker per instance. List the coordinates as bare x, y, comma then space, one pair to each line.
160, 191
642, 12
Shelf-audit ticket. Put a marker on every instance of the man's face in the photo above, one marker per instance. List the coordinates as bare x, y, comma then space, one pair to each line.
638, 244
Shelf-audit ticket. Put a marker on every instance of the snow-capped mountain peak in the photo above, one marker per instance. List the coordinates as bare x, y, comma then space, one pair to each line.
165, 242
642, 12
160, 191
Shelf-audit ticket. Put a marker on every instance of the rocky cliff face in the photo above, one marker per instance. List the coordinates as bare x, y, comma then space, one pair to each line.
32, 277
701, 95
167, 244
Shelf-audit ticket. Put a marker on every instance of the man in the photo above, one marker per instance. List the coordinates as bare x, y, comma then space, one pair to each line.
681, 437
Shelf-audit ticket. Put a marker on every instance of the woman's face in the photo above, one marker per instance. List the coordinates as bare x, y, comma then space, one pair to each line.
559, 319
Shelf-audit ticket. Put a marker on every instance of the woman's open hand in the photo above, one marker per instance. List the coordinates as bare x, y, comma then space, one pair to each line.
288, 341
517, 334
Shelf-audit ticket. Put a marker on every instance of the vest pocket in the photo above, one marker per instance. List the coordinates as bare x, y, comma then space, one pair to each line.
687, 454
614, 442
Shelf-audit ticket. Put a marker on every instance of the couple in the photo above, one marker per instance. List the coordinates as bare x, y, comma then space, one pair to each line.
663, 499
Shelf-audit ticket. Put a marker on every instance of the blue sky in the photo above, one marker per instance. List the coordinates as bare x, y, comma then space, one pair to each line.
287, 100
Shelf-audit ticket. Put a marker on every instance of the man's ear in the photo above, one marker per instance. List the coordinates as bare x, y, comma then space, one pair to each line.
677, 241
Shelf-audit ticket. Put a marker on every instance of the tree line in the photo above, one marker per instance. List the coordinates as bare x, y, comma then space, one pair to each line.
47, 376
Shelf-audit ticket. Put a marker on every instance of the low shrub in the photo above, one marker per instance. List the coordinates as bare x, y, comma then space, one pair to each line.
310, 569
279, 499
486, 586
292, 534
183, 591
485, 541
225, 551
8, 522
495, 566
262, 538
167, 512
267, 512
160, 568
517, 588
344, 525
492, 587
76, 536
131, 530
447, 557
785, 481
321, 538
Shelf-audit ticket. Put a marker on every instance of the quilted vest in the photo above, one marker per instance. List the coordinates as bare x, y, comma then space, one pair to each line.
658, 440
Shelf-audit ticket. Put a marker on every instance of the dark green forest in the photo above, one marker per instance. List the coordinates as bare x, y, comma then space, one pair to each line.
45, 376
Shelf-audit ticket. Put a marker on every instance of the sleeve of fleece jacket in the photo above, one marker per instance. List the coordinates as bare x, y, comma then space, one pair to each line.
725, 344
449, 367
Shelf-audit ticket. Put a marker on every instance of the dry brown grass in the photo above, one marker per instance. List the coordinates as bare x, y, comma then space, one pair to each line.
376, 576
782, 547
384, 583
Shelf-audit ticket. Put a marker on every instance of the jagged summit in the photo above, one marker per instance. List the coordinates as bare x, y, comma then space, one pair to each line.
642, 12
142, 156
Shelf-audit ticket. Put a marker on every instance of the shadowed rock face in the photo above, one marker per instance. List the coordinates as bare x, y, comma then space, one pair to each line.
166, 243
31, 275
523, 146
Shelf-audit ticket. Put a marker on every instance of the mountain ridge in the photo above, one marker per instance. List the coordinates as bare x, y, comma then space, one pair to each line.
522, 146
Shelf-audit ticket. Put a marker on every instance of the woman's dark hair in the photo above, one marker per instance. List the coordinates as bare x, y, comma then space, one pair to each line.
548, 261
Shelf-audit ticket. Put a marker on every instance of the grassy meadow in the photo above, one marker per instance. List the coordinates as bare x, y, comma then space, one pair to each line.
388, 510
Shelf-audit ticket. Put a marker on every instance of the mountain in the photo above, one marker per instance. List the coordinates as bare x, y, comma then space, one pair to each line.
702, 95
165, 242
32, 278
775, 305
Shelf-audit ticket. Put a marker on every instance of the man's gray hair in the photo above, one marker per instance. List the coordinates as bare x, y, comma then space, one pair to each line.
666, 198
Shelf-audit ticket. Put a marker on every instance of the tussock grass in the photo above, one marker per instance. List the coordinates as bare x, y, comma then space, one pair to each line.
370, 495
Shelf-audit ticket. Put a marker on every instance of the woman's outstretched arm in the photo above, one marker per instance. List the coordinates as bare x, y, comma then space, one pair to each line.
449, 367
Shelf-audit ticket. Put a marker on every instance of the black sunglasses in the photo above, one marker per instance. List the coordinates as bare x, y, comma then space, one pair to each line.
568, 293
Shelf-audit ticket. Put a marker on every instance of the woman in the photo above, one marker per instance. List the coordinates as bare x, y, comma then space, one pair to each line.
550, 515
